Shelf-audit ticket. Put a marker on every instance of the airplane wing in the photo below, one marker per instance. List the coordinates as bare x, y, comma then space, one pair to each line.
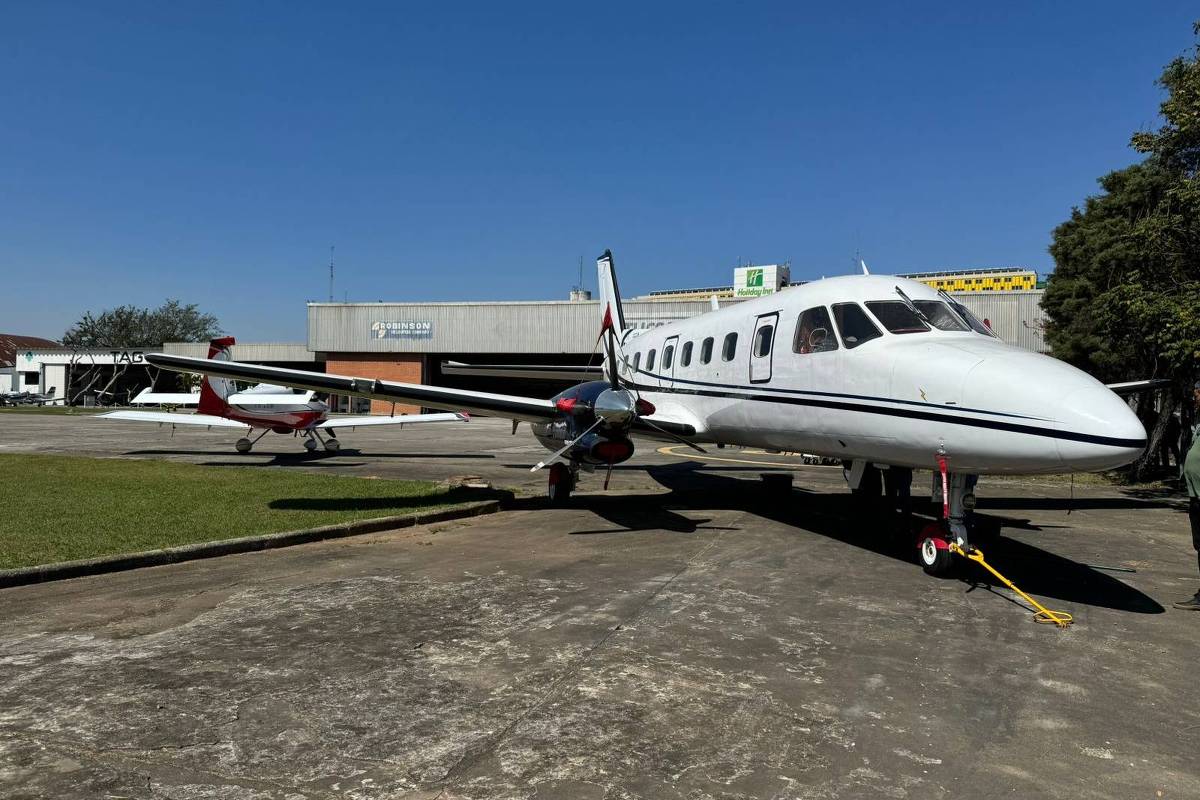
553, 372
528, 409
168, 418
402, 419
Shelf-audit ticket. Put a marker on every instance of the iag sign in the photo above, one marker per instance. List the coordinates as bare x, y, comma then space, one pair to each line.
404, 329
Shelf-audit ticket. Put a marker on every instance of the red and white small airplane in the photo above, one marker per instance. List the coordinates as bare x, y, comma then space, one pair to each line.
264, 407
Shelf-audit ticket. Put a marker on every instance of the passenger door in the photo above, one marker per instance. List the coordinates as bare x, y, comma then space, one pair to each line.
670, 355
761, 345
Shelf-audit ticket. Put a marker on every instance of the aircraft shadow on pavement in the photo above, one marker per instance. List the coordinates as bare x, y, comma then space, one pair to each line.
837, 516
303, 457
458, 494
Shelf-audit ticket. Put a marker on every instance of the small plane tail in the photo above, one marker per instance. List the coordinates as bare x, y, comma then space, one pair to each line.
215, 392
610, 295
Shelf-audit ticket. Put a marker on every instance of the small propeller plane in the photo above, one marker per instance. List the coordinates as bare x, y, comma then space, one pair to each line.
263, 407
873, 370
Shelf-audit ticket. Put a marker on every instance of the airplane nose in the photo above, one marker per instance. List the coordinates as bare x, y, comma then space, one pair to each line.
1099, 430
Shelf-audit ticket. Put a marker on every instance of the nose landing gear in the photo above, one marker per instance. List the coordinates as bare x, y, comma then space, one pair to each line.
561, 482
936, 542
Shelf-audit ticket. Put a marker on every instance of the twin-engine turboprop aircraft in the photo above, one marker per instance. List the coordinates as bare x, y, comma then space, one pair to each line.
870, 369
264, 407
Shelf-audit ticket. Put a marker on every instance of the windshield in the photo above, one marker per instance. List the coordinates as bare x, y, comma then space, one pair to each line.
967, 316
896, 316
940, 316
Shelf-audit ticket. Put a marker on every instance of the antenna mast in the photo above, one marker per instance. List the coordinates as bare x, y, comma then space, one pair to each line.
331, 273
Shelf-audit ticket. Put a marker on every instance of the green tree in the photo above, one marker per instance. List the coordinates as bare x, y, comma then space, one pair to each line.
129, 326
1124, 299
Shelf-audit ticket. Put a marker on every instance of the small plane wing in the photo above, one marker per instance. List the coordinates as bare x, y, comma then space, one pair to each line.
168, 418
1133, 387
402, 419
552, 372
531, 409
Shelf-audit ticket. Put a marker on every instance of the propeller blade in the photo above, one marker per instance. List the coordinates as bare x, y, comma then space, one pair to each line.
679, 439
566, 447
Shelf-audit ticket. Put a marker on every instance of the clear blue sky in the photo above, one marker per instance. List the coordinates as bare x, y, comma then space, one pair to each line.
213, 151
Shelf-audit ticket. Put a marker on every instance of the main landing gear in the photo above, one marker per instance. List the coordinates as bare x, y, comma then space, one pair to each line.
561, 481
313, 440
245, 444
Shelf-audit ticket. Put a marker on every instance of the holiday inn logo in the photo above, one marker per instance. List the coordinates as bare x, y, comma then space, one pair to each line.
754, 277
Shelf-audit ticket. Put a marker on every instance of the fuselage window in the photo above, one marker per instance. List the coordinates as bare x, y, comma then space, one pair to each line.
650, 361
706, 350
814, 332
897, 317
668, 356
637, 361
685, 355
940, 316
762, 341
729, 347
854, 325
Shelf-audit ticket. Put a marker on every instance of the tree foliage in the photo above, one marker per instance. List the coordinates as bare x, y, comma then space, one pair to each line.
1124, 300
129, 326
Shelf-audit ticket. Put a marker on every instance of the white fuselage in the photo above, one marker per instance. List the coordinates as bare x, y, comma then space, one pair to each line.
901, 398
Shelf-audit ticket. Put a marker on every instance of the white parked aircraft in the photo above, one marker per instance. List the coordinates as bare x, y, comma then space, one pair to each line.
264, 407
865, 368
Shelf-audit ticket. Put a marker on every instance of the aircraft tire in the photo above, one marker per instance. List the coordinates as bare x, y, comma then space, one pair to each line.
310, 445
560, 484
243, 445
931, 551
333, 445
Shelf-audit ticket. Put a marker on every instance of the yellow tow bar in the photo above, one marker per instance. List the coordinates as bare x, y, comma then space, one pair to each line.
1043, 615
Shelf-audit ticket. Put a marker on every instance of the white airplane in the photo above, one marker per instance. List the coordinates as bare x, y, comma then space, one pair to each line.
869, 369
265, 407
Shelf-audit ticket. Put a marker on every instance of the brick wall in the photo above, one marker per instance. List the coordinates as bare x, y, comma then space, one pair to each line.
394, 367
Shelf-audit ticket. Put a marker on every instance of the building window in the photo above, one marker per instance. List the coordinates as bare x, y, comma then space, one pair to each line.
729, 347
685, 355
650, 361
668, 356
706, 350
762, 341
30, 378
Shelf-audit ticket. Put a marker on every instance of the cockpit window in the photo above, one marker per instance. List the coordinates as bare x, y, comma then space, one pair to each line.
940, 316
897, 317
854, 325
814, 332
970, 318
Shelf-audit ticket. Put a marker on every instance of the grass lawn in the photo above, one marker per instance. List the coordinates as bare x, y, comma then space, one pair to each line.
61, 508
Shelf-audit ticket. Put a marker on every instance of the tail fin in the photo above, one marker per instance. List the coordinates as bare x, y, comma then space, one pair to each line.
215, 391
610, 295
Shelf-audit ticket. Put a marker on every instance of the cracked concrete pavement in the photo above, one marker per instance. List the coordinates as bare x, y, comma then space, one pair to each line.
683, 636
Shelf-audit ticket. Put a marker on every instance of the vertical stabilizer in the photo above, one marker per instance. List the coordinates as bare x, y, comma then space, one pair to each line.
215, 391
610, 295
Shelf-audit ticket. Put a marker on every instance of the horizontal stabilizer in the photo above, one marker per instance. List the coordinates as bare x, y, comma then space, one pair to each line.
549, 372
147, 397
258, 399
